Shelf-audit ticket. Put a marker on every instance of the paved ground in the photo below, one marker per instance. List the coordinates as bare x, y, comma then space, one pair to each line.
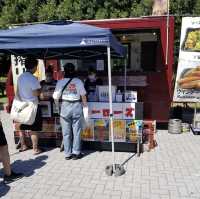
172, 171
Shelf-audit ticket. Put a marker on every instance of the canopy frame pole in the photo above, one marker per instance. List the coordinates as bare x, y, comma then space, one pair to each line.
110, 106
125, 75
167, 36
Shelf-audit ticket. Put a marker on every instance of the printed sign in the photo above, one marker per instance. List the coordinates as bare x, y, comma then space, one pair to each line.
120, 110
119, 130
187, 87
101, 130
18, 68
133, 130
88, 132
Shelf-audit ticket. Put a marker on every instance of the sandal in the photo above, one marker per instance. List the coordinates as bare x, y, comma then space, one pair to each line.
38, 152
22, 150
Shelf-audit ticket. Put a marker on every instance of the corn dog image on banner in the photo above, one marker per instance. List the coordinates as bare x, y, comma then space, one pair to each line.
187, 85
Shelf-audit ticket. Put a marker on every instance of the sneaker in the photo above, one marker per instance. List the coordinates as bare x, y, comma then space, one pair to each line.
13, 177
68, 158
76, 157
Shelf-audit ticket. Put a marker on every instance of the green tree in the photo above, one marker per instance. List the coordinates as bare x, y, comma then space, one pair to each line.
11, 13
197, 8
30, 12
48, 11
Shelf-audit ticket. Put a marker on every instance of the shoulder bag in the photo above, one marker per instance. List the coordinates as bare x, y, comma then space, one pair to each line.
58, 106
22, 111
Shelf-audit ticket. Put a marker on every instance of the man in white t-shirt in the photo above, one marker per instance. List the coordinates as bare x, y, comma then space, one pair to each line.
71, 110
29, 89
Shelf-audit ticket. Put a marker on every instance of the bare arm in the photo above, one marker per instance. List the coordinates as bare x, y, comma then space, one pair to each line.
84, 100
36, 92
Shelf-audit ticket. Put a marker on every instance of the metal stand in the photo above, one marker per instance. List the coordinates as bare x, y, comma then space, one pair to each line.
194, 127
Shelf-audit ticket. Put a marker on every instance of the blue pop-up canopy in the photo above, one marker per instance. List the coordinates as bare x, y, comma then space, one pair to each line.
64, 39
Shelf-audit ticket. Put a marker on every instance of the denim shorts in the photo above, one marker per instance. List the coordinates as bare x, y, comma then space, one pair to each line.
36, 126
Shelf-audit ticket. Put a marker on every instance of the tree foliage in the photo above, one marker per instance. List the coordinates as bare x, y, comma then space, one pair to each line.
23, 11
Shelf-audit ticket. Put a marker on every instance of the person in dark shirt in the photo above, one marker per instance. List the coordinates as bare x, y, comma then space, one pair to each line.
91, 82
48, 85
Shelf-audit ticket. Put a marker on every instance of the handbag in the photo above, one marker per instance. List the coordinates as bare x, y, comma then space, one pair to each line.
22, 111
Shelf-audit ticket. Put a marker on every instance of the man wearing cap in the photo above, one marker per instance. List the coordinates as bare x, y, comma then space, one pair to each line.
72, 93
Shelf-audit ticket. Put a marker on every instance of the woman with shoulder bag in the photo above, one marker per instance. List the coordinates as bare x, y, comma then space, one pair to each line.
29, 90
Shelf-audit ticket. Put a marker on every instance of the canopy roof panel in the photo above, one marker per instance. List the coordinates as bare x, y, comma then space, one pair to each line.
59, 39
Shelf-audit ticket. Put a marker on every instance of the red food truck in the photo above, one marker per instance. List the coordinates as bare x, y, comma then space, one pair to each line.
145, 72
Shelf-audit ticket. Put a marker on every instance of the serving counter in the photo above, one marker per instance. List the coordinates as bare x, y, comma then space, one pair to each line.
127, 123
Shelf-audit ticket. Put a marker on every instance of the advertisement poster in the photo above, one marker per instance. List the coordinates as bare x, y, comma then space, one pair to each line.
187, 86
119, 129
88, 132
133, 130
101, 130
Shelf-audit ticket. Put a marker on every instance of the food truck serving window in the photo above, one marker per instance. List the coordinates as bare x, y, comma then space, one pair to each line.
142, 53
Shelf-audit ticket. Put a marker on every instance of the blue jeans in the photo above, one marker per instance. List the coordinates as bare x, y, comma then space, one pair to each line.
70, 119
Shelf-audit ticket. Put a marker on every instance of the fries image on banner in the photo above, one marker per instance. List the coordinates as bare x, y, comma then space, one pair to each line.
190, 78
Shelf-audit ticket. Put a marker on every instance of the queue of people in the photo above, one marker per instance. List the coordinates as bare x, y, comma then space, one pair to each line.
71, 92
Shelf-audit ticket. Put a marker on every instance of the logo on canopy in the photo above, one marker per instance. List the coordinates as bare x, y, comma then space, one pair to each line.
89, 41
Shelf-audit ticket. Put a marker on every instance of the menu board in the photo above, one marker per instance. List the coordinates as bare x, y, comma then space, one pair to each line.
187, 87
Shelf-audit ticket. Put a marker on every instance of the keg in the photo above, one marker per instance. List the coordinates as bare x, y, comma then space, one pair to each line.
174, 126
185, 127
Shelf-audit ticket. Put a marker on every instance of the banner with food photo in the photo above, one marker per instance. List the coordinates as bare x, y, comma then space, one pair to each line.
187, 86
119, 128
87, 133
101, 130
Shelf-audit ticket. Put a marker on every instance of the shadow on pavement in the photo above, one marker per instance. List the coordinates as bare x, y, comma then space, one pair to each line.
87, 152
27, 167
3, 189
